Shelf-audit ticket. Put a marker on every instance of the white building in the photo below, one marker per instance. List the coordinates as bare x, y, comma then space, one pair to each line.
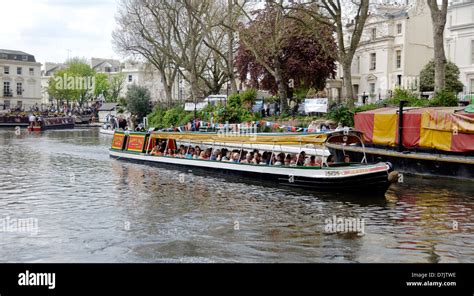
20, 76
48, 71
108, 66
396, 44
460, 40
144, 75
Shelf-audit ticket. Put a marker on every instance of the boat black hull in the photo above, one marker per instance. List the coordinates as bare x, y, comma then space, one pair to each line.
411, 164
375, 184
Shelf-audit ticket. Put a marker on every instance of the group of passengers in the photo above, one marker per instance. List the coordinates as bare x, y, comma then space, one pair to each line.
254, 157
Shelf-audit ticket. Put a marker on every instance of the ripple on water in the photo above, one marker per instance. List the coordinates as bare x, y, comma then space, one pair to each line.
91, 208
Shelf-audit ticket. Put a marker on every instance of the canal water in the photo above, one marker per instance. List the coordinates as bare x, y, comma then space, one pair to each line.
77, 205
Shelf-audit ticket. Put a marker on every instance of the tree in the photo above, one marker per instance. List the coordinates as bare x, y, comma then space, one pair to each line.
452, 83
138, 100
337, 14
264, 39
117, 82
438, 15
102, 86
295, 54
144, 29
75, 83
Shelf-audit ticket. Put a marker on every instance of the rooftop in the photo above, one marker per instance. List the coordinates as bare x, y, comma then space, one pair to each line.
16, 55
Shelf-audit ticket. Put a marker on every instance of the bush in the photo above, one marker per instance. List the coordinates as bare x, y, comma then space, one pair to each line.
138, 101
445, 98
342, 114
406, 95
427, 77
248, 98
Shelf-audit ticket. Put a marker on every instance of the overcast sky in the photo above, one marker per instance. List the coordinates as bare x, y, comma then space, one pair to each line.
47, 29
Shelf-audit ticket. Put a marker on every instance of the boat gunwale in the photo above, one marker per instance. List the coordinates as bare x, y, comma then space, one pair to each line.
345, 166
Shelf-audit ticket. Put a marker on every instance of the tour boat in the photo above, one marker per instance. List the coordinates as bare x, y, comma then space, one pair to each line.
355, 178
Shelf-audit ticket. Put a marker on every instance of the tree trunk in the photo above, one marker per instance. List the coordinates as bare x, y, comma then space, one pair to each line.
440, 59
281, 87
169, 94
438, 16
230, 54
347, 74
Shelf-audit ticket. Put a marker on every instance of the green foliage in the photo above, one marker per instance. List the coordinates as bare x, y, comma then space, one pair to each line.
248, 98
72, 83
173, 116
342, 114
155, 119
445, 98
138, 100
427, 76
116, 85
406, 95
102, 86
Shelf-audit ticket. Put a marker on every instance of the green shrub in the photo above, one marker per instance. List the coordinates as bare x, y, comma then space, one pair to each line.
248, 98
342, 114
445, 98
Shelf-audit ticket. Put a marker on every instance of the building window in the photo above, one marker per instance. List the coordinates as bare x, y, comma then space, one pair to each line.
19, 104
374, 33
19, 70
130, 78
32, 71
471, 89
6, 70
3, 56
108, 69
373, 61
399, 29
19, 88
399, 59
24, 58
6, 89
372, 88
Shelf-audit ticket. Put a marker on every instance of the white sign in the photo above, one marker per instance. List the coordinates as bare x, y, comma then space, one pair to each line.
190, 106
316, 105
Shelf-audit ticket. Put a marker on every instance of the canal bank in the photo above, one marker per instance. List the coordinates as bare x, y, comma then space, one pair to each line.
90, 208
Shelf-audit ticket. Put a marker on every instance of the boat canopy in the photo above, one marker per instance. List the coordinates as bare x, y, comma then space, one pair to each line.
348, 137
442, 128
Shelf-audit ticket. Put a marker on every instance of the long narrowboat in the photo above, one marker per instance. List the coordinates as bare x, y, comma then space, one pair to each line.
432, 142
355, 178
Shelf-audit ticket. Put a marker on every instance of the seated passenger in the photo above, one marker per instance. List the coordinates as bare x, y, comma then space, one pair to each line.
280, 160
294, 160
264, 160
310, 162
301, 159
347, 159
257, 158
288, 160
227, 156
203, 156
248, 159
190, 153
170, 153
236, 157
155, 151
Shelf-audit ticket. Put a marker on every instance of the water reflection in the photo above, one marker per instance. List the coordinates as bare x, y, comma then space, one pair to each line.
91, 208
